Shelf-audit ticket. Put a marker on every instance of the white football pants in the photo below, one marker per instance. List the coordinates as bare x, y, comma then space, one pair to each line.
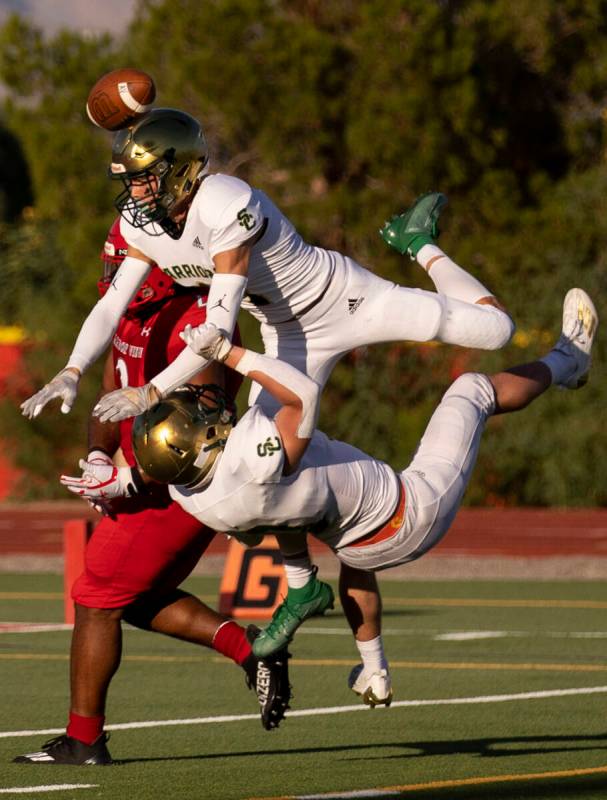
437, 478
360, 308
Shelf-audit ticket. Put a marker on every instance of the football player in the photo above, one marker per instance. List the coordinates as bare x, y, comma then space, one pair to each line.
314, 305
145, 545
278, 472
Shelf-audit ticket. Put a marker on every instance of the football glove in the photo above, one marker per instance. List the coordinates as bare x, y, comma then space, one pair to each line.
101, 482
207, 341
100, 458
128, 402
63, 385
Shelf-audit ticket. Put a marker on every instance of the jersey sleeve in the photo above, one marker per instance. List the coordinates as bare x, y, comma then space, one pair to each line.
232, 212
133, 236
258, 447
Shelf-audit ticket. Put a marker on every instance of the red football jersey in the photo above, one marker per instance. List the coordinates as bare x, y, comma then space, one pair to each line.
144, 345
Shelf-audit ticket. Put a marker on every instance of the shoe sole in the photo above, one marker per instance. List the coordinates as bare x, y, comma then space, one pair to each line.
590, 322
371, 700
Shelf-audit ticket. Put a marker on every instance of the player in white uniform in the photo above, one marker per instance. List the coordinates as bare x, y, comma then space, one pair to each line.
314, 305
279, 473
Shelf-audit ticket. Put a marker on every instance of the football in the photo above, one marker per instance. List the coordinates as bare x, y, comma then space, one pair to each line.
120, 97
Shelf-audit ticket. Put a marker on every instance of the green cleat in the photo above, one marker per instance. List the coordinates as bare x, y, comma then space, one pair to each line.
300, 604
410, 231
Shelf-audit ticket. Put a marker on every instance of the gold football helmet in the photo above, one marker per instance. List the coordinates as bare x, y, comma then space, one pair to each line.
161, 160
179, 439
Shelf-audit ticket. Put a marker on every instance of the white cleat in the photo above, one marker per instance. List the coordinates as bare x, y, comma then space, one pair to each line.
375, 688
580, 322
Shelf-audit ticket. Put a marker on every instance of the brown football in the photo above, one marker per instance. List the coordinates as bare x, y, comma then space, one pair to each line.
120, 97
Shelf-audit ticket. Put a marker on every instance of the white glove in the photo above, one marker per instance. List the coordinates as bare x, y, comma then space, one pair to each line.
99, 458
101, 482
63, 385
128, 402
207, 341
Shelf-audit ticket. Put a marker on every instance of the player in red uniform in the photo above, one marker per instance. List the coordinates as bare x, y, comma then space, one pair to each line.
145, 545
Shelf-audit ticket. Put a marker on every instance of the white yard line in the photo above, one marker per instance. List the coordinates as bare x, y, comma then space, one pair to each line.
357, 793
58, 787
436, 633
439, 635
328, 710
33, 627
470, 636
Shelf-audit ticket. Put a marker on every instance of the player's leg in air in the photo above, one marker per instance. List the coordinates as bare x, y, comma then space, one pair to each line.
472, 316
310, 597
361, 604
435, 481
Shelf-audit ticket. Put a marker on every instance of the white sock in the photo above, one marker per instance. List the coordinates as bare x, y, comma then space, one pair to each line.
560, 364
450, 279
372, 655
299, 569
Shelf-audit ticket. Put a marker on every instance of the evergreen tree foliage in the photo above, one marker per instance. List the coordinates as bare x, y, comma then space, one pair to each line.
344, 112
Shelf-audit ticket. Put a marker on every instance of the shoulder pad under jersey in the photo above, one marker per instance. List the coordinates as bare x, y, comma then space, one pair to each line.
220, 195
135, 237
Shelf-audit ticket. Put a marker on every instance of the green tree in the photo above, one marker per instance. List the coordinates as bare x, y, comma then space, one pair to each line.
344, 112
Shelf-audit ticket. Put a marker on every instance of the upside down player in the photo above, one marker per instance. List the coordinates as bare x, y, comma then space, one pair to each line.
314, 305
146, 545
371, 516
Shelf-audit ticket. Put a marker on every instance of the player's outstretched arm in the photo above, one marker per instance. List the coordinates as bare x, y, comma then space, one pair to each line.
95, 335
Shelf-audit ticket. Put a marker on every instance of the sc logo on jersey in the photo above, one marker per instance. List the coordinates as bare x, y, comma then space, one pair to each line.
245, 219
269, 447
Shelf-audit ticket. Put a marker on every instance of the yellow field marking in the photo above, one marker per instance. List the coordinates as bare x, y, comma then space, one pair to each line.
453, 784
334, 662
464, 602
206, 598
148, 658
489, 603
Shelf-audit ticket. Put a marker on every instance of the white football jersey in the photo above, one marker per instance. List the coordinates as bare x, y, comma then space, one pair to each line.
338, 492
286, 274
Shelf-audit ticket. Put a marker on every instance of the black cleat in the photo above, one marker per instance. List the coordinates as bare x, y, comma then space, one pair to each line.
269, 677
67, 750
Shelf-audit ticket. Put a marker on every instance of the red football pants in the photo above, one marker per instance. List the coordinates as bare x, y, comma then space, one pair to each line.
142, 550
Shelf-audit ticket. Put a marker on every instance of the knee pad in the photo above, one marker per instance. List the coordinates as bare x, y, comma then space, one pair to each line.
472, 325
475, 387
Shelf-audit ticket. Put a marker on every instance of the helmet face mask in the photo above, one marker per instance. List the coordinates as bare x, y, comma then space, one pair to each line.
160, 160
180, 439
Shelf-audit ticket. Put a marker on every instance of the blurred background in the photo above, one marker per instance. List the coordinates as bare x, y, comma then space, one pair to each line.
343, 111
